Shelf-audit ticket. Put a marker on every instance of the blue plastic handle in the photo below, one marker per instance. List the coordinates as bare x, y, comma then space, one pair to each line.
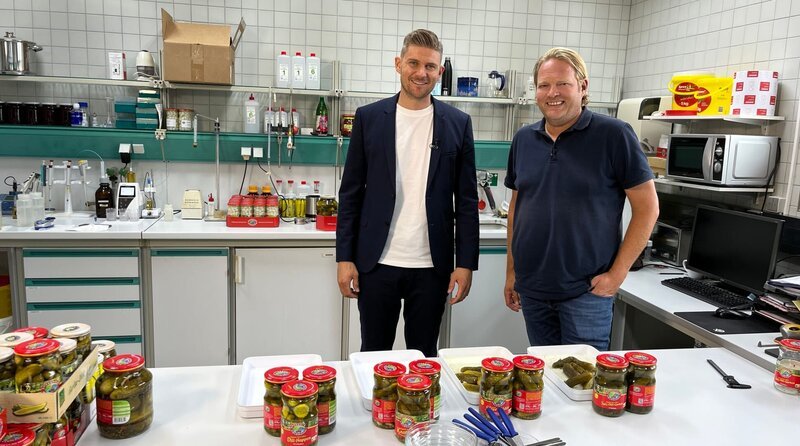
493, 415
480, 419
475, 431
482, 427
508, 423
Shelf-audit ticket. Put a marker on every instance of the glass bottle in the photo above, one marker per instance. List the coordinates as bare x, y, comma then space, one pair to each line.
321, 125
641, 381
528, 386
495, 385
299, 417
384, 393
787, 368
273, 380
447, 78
610, 389
325, 378
103, 199
413, 403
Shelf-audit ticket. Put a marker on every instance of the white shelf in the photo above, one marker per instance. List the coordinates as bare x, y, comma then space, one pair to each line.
592, 104
751, 120
76, 80
751, 190
247, 89
479, 100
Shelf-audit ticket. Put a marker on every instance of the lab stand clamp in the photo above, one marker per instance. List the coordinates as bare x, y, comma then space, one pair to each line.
67, 182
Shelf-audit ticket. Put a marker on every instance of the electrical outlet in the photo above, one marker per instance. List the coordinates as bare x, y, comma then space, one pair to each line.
246, 152
258, 152
774, 203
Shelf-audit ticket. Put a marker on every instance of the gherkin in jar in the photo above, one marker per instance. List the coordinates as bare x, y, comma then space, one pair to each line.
81, 333
124, 397
325, 378
528, 385
384, 393
496, 385
610, 389
8, 370
299, 416
413, 403
38, 366
433, 370
274, 378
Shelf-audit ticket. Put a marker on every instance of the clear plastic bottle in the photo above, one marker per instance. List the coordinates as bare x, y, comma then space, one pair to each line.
283, 76
300, 202
298, 71
85, 114
24, 210
295, 122
251, 121
312, 71
283, 120
269, 117
76, 115
37, 206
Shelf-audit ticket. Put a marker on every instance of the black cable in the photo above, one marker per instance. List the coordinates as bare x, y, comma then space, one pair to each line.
13, 180
771, 175
274, 188
243, 177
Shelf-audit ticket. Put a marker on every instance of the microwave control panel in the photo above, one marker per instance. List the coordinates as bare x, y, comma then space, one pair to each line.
719, 154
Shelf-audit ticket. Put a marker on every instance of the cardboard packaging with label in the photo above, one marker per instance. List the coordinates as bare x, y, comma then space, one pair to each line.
199, 53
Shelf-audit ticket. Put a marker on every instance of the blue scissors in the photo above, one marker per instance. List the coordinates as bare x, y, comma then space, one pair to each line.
45, 223
501, 430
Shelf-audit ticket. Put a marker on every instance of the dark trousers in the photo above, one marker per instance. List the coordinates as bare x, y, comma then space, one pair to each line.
382, 291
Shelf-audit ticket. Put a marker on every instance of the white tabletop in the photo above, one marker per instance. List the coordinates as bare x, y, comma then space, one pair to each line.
78, 228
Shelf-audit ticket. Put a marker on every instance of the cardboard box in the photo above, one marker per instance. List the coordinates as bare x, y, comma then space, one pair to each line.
56, 403
198, 53
657, 165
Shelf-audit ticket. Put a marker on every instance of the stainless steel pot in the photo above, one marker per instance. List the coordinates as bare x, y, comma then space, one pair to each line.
311, 207
15, 54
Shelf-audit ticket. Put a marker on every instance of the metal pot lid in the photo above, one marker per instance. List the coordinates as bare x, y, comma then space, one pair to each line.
9, 37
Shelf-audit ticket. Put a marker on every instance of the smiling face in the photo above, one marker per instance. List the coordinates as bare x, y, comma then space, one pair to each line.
559, 94
419, 69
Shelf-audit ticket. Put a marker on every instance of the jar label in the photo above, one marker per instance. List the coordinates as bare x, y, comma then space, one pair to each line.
436, 404
322, 124
405, 422
48, 386
299, 433
172, 123
788, 378
7, 385
641, 396
272, 416
609, 398
501, 402
527, 402
327, 413
113, 412
60, 437
383, 411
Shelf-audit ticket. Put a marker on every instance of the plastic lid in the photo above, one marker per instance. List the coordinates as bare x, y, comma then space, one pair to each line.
283, 53
84, 104
297, 54
123, 363
497, 365
527, 362
252, 188
252, 98
280, 375
389, 369
313, 54
37, 347
5, 354
414, 381
424, 367
67, 345
14, 339
104, 345
612, 361
266, 189
319, 373
72, 330
303, 182
37, 332
18, 436
290, 181
791, 344
641, 359
76, 106
299, 389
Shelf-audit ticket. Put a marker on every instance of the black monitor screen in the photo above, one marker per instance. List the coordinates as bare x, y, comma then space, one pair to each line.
736, 247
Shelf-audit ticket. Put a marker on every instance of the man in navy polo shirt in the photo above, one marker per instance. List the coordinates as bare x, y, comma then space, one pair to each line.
570, 174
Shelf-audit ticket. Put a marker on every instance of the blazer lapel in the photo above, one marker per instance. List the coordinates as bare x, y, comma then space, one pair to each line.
390, 122
438, 125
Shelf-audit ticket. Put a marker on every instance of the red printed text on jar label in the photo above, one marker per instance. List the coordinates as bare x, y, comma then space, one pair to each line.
327, 413
405, 422
272, 416
641, 396
527, 402
785, 378
113, 412
383, 411
298, 433
497, 403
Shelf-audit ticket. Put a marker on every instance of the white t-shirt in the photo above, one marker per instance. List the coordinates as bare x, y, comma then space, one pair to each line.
407, 245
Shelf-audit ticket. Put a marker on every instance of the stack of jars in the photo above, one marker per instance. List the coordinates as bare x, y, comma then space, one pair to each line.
624, 384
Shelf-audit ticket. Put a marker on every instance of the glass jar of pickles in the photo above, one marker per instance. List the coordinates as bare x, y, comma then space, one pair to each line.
641, 381
59, 431
325, 378
260, 207
172, 118
413, 403
82, 333
37, 332
69, 357
327, 206
38, 366
495, 385
787, 368
7, 370
273, 380
610, 389
12, 340
528, 385
124, 397
246, 208
433, 370
235, 206
40, 431
106, 348
384, 393
18, 436
299, 420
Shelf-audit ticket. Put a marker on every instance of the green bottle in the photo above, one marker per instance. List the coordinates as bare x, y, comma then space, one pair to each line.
321, 125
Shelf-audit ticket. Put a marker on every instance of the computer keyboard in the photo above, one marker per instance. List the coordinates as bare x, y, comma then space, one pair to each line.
716, 296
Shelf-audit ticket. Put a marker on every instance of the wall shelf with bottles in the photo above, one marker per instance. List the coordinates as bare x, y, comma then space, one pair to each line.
76, 80
747, 190
478, 100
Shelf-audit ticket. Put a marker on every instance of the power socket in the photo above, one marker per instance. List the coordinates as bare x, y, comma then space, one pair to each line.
774, 204
258, 152
246, 153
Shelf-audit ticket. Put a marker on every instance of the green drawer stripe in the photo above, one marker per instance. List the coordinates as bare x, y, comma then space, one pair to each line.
493, 250
84, 306
80, 253
189, 253
123, 339
83, 282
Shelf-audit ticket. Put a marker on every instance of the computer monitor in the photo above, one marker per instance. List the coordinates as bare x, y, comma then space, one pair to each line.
737, 248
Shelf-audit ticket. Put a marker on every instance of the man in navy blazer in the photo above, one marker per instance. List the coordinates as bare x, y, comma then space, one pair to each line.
408, 206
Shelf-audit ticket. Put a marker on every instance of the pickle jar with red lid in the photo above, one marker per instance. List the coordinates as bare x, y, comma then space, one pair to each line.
18, 436
299, 418
274, 378
235, 206
787, 367
413, 403
528, 386
433, 370
610, 388
81, 333
37, 332
246, 207
495, 385
124, 397
325, 378
641, 380
41, 432
260, 207
384, 393
38, 366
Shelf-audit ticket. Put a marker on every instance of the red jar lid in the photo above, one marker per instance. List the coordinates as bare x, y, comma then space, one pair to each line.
299, 389
612, 361
641, 359
319, 373
791, 344
526, 362
37, 347
18, 436
123, 363
37, 332
389, 369
497, 365
280, 375
425, 367
414, 381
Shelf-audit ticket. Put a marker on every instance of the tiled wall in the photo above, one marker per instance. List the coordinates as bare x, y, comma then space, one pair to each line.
721, 36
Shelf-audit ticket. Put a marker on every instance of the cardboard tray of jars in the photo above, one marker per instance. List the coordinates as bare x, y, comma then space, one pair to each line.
49, 407
252, 222
552, 353
453, 359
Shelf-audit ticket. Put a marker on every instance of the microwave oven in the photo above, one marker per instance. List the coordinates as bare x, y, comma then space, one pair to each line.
722, 160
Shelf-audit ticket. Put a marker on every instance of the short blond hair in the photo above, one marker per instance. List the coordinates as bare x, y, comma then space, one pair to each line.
423, 38
565, 55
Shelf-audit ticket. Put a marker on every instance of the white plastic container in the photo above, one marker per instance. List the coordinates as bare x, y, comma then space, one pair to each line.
363, 364
37, 206
284, 74
269, 120
24, 204
552, 353
251, 122
298, 71
312, 72
250, 401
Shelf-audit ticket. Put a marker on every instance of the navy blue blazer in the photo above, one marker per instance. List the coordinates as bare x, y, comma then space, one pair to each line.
367, 192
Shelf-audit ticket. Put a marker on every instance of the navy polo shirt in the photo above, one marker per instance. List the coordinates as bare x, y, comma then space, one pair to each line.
570, 195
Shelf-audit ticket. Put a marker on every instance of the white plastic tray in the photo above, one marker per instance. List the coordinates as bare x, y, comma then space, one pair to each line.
250, 402
455, 358
552, 353
364, 364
